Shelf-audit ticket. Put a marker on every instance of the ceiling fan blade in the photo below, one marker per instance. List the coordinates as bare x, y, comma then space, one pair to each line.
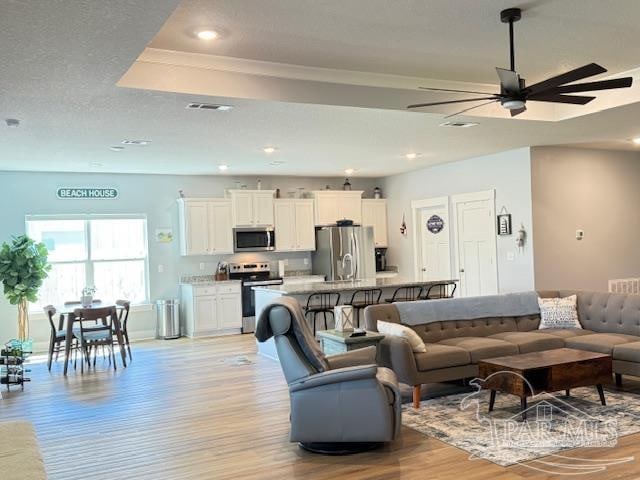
418, 105
567, 77
509, 80
593, 86
517, 111
454, 91
554, 98
471, 108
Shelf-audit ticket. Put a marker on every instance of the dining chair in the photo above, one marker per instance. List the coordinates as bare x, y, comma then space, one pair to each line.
321, 302
405, 294
123, 316
58, 334
98, 334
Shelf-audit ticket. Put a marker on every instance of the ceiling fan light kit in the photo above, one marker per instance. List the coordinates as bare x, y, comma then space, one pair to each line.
514, 92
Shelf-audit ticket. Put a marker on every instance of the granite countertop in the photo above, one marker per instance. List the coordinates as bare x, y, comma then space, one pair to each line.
204, 280
340, 286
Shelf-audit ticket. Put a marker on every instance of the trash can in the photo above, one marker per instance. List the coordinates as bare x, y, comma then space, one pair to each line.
168, 315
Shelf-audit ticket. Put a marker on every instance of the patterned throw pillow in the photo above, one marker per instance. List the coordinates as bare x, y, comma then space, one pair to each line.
398, 330
558, 313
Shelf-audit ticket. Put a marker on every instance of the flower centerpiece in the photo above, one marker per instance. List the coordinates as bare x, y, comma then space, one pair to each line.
87, 296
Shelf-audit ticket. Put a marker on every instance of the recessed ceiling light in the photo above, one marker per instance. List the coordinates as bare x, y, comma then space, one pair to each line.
269, 150
411, 156
207, 34
96, 164
636, 140
116, 148
275, 163
349, 171
222, 168
136, 142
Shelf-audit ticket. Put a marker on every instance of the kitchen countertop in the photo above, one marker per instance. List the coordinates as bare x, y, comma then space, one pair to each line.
339, 286
204, 280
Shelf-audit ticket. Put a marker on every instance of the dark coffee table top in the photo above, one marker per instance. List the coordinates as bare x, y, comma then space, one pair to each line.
546, 358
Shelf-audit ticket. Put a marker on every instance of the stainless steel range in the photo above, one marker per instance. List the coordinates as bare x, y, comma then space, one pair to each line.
251, 274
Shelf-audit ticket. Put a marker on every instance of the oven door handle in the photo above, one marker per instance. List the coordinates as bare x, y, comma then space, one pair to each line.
266, 282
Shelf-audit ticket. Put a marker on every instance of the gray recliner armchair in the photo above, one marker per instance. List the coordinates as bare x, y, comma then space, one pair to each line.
339, 404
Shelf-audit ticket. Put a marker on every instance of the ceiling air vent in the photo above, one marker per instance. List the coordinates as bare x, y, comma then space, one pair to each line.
136, 142
459, 124
208, 106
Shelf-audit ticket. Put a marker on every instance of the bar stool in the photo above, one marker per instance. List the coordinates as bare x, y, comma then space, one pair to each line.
405, 294
321, 302
363, 298
438, 290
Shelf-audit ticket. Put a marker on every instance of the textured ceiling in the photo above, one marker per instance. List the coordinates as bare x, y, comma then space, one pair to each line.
441, 39
61, 61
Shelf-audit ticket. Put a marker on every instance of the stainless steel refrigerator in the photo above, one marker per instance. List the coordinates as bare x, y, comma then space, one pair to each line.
344, 253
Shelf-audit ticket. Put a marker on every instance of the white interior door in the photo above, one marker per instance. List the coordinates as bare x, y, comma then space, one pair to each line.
435, 252
475, 239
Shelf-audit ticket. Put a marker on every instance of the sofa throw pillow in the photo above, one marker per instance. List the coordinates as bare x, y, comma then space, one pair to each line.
398, 330
558, 313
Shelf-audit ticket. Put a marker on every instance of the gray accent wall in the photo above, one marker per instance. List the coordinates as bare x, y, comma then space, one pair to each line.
24, 193
509, 173
597, 191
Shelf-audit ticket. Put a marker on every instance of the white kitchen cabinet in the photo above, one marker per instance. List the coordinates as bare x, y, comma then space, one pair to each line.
205, 226
229, 310
220, 227
305, 231
252, 208
294, 225
374, 214
212, 309
334, 205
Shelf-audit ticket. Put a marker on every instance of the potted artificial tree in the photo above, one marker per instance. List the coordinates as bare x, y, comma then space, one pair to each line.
23, 267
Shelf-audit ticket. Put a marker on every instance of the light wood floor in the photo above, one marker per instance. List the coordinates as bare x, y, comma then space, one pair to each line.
188, 410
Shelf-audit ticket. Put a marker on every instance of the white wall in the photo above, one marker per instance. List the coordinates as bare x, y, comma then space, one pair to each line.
24, 193
509, 173
591, 190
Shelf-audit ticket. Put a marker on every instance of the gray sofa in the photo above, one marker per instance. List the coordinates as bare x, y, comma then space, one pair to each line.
611, 324
340, 403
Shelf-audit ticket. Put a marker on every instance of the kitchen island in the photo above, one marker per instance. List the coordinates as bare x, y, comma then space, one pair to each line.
301, 291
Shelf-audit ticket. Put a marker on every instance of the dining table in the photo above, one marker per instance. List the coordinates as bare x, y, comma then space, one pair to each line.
68, 310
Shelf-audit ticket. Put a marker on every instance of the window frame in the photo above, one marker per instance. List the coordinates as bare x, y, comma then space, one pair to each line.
88, 262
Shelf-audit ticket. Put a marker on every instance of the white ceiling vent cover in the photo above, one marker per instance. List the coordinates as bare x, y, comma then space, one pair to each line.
208, 106
459, 124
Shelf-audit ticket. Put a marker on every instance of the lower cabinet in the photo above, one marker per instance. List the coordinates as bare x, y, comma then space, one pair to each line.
214, 309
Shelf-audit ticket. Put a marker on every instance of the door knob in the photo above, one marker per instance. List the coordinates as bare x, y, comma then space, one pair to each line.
424, 269
462, 270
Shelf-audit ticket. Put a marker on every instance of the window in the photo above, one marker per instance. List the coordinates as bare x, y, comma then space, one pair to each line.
105, 251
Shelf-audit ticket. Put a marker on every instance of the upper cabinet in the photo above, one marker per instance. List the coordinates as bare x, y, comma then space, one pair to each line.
334, 205
205, 226
374, 214
252, 208
294, 226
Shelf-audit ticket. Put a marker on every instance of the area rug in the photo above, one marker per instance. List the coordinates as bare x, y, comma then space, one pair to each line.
555, 423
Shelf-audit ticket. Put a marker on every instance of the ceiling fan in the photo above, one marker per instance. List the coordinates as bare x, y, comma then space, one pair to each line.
514, 94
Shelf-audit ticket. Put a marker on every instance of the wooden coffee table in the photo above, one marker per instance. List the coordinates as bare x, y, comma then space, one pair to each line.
547, 371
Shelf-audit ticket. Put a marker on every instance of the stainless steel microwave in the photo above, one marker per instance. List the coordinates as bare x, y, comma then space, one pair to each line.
254, 239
